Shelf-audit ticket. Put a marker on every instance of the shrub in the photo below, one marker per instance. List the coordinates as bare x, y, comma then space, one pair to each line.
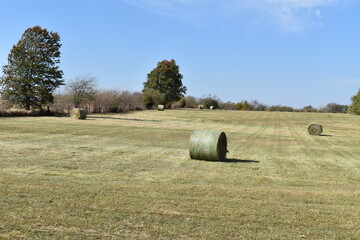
190, 102
257, 106
227, 106
176, 105
62, 103
210, 100
238, 106
335, 108
182, 102
280, 108
245, 106
152, 98
309, 108
104, 101
179, 104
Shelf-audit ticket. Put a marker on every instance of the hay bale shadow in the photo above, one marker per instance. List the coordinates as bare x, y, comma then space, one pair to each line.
325, 135
229, 160
233, 160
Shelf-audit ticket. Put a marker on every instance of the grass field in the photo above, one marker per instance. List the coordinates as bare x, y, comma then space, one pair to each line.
129, 176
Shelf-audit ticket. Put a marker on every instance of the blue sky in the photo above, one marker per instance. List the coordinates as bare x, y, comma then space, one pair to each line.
288, 52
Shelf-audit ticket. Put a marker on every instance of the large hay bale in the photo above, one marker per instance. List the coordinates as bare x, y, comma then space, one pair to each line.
315, 129
201, 107
161, 107
78, 113
208, 145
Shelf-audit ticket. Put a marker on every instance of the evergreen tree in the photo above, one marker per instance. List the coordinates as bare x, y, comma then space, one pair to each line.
167, 79
32, 74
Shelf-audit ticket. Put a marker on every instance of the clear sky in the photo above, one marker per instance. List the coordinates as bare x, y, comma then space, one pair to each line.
288, 52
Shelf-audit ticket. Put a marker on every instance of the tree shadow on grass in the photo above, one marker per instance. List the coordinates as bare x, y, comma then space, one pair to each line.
233, 160
127, 119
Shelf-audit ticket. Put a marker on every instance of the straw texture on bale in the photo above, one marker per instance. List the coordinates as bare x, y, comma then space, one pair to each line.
208, 145
315, 129
78, 113
201, 107
161, 107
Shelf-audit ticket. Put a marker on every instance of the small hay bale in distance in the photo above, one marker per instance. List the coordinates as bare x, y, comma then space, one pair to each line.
208, 145
201, 107
315, 129
78, 113
211, 107
161, 107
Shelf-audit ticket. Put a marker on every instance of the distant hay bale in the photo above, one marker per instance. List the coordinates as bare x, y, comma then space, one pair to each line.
208, 145
201, 107
78, 113
315, 129
211, 107
161, 107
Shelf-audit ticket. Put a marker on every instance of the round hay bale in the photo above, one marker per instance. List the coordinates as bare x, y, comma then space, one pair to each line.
208, 145
315, 129
211, 107
201, 107
161, 107
78, 113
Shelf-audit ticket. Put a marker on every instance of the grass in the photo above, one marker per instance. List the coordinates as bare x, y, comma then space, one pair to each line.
129, 176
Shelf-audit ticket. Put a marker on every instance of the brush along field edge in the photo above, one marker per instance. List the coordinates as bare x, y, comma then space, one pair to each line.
208, 145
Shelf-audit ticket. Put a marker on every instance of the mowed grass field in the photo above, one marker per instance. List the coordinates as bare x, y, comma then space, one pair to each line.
129, 176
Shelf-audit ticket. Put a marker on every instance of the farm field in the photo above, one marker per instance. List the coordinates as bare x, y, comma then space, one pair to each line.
129, 176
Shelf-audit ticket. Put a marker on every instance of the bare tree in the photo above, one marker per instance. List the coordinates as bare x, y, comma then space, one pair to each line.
81, 89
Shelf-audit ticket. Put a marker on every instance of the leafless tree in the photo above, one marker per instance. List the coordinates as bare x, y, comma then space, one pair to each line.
81, 89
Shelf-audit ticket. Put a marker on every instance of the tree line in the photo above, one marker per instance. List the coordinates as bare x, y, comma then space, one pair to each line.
32, 76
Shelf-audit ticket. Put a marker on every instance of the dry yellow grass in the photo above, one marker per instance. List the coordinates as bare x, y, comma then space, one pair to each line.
129, 176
